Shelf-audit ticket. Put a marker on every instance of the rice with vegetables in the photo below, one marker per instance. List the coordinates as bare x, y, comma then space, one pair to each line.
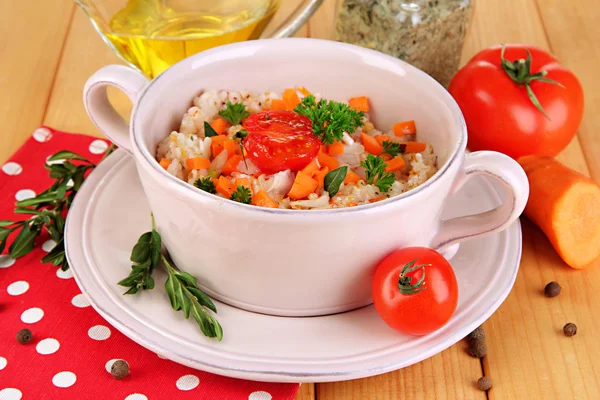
294, 151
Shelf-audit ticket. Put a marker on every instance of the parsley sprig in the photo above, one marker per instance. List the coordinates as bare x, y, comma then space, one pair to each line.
376, 174
206, 184
330, 119
393, 148
234, 113
242, 195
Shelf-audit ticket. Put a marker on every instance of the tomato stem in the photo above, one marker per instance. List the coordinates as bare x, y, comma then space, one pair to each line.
404, 282
520, 72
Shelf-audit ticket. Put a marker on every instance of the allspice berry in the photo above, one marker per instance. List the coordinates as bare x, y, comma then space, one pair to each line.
570, 329
484, 383
552, 289
24, 336
477, 348
119, 369
477, 334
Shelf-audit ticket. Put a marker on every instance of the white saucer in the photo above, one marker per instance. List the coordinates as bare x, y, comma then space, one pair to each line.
110, 213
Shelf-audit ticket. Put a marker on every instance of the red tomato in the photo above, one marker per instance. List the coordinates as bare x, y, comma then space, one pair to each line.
278, 140
499, 113
407, 304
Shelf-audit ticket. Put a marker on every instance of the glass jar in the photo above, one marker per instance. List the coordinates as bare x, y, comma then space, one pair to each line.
428, 34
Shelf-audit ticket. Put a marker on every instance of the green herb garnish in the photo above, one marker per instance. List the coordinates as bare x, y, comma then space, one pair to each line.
393, 148
330, 119
209, 131
376, 174
242, 195
206, 184
239, 137
334, 179
234, 113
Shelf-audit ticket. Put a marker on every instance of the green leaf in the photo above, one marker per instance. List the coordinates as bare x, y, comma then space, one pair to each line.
67, 155
186, 305
24, 210
57, 252
24, 242
217, 328
334, 179
170, 287
209, 131
393, 148
206, 184
39, 199
535, 100
2, 245
187, 278
132, 290
179, 293
140, 252
6, 222
61, 190
156, 247
234, 113
242, 195
145, 238
4, 233
203, 299
78, 180
148, 282
131, 280
203, 323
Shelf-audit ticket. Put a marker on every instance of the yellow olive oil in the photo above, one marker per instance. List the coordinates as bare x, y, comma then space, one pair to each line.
153, 35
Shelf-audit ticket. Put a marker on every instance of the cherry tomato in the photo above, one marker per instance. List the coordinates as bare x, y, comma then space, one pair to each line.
499, 113
415, 290
278, 140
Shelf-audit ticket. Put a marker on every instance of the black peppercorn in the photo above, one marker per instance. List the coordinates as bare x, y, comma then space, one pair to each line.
477, 334
24, 336
119, 369
484, 383
552, 289
570, 329
477, 348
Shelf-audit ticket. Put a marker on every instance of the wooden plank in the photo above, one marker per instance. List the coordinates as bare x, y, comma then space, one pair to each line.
306, 392
32, 40
322, 24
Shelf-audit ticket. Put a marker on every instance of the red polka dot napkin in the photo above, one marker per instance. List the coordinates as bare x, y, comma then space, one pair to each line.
73, 348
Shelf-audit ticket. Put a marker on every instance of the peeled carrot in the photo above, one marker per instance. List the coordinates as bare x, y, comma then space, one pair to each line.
217, 145
371, 144
405, 128
302, 187
311, 168
327, 161
335, 149
277, 104
225, 187
303, 90
291, 99
359, 103
262, 199
383, 138
395, 164
415, 147
351, 177
232, 147
320, 176
245, 182
565, 205
231, 164
220, 126
197, 163
164, 163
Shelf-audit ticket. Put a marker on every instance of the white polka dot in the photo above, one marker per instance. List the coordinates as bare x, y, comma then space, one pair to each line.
32, 315
136, 396
260, 396
70, 183
64, 379
3, 363
17, 288
80, 301
12, 168
187, 382
99, 332
24, 194
10, 394
109, 364
54, 162
42, 135
98, 146
48, 245
6, 261
64, 274
47, 346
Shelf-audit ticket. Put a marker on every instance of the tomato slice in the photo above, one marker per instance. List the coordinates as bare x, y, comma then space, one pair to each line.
279, 140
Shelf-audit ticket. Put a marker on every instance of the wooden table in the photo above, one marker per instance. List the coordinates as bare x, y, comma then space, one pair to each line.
48, 51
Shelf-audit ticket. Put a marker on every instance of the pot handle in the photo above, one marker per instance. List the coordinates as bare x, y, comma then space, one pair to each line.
297, 19
99, 109
506, 171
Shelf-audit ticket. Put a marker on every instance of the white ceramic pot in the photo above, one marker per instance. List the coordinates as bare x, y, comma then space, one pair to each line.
291, 262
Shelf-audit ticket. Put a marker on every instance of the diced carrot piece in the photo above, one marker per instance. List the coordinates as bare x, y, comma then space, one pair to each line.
232, 147
415, 147
165, 163
231, 164
277, 104
383, 138
245, 182
371, 144
217, 145
405, 128
320, 176
359, 103
312, 167
303, 90
351, 204
291, 99
197, 163
378, 198
262, 199
386, 156
225, 187
302, 187
220, 126
395, 164
335, 149
327, 161
351, 177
